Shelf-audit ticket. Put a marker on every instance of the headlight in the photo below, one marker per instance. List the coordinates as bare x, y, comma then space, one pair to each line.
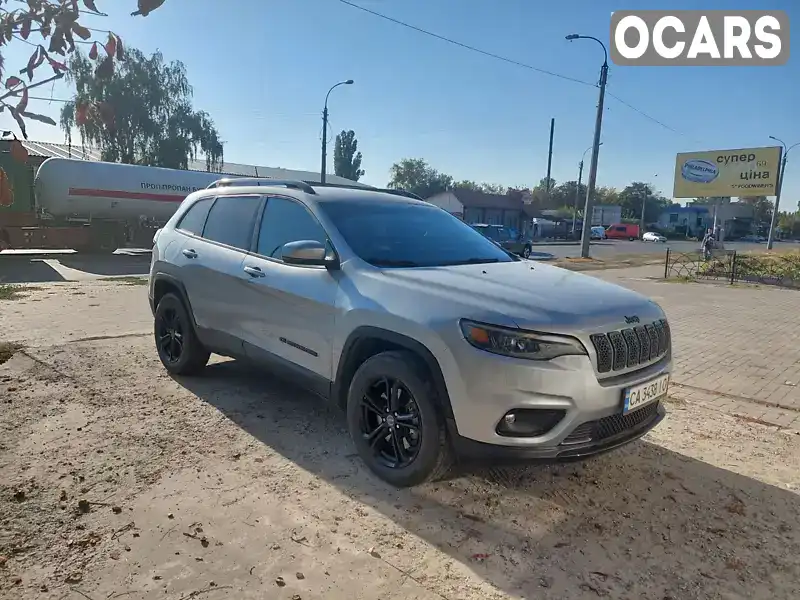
518, 343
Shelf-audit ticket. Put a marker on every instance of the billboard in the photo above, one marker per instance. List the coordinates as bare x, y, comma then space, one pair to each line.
741, 172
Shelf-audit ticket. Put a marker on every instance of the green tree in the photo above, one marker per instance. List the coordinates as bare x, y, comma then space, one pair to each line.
418, 177
564, 195
762, 207
487, 188
346, 157
141, 114
53, 28
639, 194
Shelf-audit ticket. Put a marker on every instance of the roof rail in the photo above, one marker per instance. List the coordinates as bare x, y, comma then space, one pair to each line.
400, 192
259, 181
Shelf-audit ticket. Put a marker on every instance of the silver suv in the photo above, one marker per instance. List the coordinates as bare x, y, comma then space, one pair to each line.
442, 348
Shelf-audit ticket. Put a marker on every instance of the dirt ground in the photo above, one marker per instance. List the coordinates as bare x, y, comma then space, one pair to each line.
118, 481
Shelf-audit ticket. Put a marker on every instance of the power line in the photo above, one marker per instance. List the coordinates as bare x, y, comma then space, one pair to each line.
467, 46
505, 59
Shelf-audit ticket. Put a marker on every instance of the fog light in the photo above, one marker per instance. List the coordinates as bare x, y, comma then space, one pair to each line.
529, 422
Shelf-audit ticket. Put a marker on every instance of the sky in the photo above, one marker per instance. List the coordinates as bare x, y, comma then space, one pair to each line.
262, 69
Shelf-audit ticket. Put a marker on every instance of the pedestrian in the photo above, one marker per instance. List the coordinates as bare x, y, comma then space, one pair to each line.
708, 244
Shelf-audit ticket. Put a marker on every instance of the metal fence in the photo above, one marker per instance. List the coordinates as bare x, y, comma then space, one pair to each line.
732, 266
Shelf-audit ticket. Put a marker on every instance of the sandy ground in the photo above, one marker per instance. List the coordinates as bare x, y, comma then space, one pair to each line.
118, 481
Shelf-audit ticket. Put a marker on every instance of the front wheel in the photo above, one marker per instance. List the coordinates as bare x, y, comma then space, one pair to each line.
394, 421
526, 252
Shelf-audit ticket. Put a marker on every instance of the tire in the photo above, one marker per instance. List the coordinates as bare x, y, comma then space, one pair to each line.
431, 454
172, 319
526, 252
631, 239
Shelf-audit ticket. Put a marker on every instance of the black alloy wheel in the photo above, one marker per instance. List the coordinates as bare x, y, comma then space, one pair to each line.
178, 347
390, 422
170, 335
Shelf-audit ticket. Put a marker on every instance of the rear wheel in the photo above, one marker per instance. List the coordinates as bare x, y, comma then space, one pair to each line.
180, 351
526, 252
394, 420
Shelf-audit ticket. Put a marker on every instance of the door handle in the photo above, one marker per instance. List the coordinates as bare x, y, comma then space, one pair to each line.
254, 271
189, 253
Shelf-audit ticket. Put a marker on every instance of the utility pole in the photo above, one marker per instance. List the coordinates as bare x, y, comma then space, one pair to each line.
577, 195
598, 126
550, 156
777, 202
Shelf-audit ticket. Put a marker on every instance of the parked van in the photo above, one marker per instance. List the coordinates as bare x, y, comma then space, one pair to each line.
622, 231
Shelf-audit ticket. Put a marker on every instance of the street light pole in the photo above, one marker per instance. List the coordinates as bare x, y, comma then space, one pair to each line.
578, 188
325, 130
781, 172
644, 207
587, 212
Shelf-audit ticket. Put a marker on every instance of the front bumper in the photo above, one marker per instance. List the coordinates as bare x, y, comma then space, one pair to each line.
483, 388
602, 440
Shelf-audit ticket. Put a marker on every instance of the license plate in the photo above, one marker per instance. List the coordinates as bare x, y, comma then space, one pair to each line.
640, 395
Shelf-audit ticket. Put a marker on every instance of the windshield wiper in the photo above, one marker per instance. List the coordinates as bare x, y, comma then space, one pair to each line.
388, 262
474, 261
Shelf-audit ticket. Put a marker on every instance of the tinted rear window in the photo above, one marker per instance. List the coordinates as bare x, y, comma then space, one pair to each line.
231, 220
195, 218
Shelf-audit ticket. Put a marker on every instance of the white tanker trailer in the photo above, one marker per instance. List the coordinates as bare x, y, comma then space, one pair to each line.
100, 206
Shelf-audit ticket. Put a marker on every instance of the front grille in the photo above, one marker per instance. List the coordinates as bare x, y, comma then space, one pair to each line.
595, 431
617, 350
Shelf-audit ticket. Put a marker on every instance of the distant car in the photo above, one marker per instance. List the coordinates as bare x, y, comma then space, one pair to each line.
652, 236
597, 233
501, 236
623, 231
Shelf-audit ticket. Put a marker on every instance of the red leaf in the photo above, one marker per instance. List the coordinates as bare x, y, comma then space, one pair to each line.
20, 122
58, 67
81, 31
23, 101
36, 59
12, 82
120, 51
111, 45
25, 30
147, 6
40, 118
93, 52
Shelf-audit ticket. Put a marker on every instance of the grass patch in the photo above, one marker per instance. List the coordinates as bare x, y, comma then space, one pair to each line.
7, 350
621, 261
12, 292
131, 280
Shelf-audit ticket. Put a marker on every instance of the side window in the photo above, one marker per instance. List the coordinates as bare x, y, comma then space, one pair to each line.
622, 229
231, 220
286, 221
195, 218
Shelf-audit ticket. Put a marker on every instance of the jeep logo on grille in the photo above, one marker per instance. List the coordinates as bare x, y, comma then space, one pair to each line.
632, 320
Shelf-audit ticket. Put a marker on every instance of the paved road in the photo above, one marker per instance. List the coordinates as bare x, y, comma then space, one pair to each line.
613, 247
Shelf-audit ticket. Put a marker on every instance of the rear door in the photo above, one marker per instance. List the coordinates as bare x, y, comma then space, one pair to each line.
289, 310
213, 263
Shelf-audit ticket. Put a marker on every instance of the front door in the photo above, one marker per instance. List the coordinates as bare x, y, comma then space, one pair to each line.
290, 310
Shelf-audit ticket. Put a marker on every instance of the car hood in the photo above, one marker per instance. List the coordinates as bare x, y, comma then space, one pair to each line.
532, 295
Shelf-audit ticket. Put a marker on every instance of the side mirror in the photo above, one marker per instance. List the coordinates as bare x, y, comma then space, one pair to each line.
309, 253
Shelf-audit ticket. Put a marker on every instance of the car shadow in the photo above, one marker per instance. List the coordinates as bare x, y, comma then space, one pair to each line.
21, 268
641, 522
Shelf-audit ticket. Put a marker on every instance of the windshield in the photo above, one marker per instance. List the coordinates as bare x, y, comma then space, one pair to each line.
397, 234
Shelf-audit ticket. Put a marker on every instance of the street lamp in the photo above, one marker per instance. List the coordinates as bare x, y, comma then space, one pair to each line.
595, 147
578, 188
644, 207
325, 129
781, 170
